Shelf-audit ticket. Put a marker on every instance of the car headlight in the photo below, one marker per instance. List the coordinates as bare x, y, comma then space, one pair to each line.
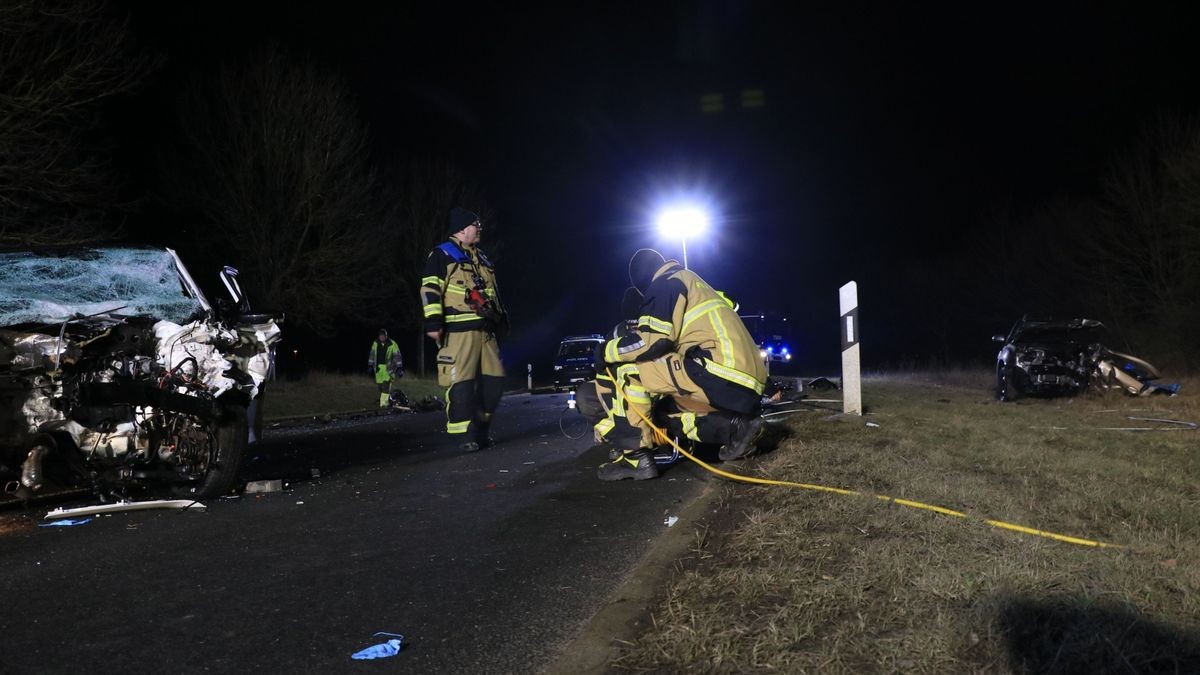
762, 353
787, 357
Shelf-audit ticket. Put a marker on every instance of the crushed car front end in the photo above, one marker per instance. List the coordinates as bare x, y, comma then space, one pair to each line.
1057, 358
115, 372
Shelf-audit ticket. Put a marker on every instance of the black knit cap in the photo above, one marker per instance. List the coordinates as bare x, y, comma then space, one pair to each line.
460, 219
642, 267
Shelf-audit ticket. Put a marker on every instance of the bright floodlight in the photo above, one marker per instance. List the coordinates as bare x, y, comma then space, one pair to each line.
682, 222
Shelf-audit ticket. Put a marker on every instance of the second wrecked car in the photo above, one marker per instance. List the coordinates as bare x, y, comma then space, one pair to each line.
1052, 358
116, 371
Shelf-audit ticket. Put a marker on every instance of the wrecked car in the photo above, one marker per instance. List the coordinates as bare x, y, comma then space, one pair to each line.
116, 373
1066, 357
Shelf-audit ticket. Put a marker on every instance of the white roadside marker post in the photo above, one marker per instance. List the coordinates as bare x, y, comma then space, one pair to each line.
529, 376
851, 360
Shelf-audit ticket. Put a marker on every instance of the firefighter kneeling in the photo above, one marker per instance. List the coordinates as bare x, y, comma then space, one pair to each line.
690, 347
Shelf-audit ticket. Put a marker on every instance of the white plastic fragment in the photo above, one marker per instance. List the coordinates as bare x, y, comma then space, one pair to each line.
179, 504
263, 486
671, 520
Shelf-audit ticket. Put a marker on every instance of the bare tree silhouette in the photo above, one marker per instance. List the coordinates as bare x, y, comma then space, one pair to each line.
271, 164
59, 63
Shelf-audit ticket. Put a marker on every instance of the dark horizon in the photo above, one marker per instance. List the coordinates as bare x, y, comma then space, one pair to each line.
885, 140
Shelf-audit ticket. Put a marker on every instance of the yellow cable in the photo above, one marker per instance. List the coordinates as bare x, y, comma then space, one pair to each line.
901, 502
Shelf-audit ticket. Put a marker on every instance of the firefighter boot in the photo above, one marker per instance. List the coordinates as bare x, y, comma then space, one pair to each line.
482, 426
636, 464
744, 432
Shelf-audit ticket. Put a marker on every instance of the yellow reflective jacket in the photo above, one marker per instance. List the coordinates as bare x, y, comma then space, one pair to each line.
451, 272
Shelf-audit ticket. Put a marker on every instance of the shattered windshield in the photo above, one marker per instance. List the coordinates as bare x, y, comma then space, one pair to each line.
51, 287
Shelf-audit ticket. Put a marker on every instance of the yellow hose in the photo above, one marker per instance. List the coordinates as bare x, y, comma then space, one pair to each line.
893, 500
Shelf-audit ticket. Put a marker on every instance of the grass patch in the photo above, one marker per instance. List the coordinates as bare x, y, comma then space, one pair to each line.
323, 393
805, 581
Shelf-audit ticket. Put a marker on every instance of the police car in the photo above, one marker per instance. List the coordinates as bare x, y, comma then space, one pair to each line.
770, 332
574, 362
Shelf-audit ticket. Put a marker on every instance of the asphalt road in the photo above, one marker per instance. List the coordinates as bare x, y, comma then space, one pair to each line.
486, 562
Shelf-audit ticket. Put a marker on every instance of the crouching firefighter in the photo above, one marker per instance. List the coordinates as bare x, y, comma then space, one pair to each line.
691, 347
463, 314
386, 364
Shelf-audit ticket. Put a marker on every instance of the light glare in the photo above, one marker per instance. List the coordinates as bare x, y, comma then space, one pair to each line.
682, 222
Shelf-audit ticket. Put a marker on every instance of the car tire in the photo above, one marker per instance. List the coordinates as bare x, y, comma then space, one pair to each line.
231, 435
1006, 383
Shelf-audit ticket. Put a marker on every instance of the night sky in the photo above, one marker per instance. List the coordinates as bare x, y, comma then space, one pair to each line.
886, 135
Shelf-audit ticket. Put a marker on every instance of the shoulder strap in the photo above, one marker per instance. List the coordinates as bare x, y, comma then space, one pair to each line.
455, 253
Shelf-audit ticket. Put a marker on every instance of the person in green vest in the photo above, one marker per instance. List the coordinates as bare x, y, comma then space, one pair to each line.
386, 364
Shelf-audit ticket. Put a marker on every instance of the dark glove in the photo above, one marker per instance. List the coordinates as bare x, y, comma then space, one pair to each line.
598, 358
503, 328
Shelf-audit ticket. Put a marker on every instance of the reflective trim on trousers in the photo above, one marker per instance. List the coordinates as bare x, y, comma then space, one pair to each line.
689, 426
604, 426
637, 394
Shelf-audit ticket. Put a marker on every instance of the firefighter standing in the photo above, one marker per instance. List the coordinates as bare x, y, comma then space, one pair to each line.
386, 364
463, 313
691, 346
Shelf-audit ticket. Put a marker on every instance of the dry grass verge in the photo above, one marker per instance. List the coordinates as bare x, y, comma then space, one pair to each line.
808, 582
323, 393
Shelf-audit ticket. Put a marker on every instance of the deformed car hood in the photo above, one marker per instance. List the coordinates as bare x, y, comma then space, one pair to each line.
1073, 330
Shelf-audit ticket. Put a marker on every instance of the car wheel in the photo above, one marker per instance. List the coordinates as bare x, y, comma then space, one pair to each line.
227, 445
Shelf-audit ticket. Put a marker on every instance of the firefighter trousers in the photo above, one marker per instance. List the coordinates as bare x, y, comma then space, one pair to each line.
702, 406
470, 370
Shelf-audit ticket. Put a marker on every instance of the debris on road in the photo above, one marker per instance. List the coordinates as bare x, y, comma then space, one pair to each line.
382, 650
263, 486
821, 384
68, 522
670, 521
119, 507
